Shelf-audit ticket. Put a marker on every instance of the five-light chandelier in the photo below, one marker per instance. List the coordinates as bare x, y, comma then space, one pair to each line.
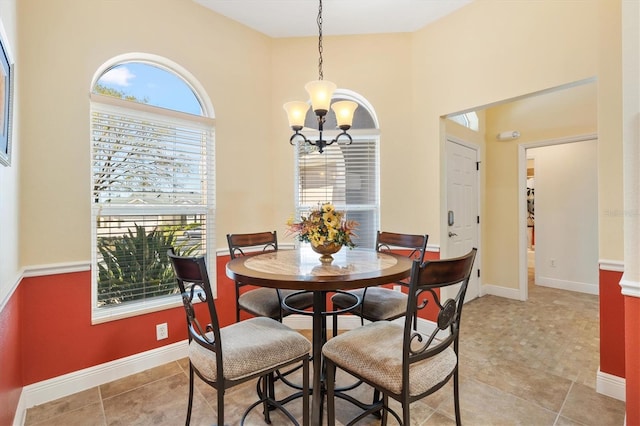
320, 91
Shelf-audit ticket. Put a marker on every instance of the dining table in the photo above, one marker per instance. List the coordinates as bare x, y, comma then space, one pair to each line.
301, 269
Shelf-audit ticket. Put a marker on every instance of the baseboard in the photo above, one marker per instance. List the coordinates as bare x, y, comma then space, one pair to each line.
610, 385
58, 387
568, 285
495, 290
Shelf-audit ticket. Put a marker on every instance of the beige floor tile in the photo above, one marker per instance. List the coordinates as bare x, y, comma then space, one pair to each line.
589, 408
50, 410
135, 380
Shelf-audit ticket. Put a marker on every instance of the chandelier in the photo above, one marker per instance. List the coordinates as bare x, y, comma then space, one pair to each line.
320, 91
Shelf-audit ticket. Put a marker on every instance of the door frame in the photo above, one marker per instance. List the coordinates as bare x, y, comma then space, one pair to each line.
444, 247
523, 278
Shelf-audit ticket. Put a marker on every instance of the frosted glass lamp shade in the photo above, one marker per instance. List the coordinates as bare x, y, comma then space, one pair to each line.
320, 92
344, 113
296, 112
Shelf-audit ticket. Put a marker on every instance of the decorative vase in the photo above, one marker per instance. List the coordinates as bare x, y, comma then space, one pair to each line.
326, 250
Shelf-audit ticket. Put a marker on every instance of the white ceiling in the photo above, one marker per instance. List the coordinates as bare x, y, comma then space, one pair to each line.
293, 18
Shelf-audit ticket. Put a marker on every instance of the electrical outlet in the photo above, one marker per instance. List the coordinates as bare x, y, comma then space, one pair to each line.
552, 263
162, 331
397, 287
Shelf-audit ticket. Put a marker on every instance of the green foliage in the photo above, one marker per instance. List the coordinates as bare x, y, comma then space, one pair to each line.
108, 91
135, 266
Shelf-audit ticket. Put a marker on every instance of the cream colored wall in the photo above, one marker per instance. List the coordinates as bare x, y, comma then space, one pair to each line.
64, 42
610, 158
491, 51
9, 182
631, 135
487, 52
484, 53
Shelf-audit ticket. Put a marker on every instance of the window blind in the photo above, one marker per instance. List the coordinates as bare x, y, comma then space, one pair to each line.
152, 188
345, 175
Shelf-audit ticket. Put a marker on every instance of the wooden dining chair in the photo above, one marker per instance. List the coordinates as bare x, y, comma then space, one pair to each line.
265, 302
381, 303
398, 361
225, 357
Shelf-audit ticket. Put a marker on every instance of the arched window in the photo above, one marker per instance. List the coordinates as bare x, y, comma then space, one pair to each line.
468, 120
152, 182
344, 175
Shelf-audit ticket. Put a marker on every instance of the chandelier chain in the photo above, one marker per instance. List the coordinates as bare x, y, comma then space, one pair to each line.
320, 74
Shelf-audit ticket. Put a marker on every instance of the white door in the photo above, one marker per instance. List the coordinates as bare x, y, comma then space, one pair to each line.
462, 218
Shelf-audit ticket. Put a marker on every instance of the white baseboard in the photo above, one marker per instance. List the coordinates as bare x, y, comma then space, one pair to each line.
610, 385
568, 285
58, 387
495, 290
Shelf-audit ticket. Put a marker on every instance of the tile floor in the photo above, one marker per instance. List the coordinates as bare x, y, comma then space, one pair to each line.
521, 363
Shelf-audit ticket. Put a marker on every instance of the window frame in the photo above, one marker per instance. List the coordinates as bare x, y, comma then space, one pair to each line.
206, 123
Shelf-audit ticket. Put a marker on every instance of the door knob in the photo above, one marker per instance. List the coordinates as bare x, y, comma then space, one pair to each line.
452, 234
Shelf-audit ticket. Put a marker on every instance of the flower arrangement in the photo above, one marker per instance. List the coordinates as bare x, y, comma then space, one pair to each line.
324, 225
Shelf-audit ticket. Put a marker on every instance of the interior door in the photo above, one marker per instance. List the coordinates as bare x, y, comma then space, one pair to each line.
462, 231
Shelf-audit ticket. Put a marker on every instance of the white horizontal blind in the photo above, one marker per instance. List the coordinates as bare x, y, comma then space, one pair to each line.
152, 188
345, 175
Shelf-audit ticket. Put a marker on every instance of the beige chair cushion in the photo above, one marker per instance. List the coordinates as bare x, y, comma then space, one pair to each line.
264, 301
374, 352
251, 346
379, 303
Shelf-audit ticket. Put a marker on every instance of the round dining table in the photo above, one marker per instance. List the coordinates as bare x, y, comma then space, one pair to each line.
302, 270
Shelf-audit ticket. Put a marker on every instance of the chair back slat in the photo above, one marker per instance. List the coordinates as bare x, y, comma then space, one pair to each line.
245, 244
193, 281
427, 277
416, 244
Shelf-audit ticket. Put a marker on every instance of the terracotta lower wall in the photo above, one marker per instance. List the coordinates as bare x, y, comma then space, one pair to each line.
612, 324
61, 338
632, 343
11, 364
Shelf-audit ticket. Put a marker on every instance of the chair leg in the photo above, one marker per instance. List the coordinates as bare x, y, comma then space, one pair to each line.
335, 325
190, 402
220, 391
383, 418
406, 414
305, 392
267, 382
331, 384
456, 397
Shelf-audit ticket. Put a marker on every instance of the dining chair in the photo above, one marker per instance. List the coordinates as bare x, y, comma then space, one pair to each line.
224, 357
381, 303
265, 302
398, 361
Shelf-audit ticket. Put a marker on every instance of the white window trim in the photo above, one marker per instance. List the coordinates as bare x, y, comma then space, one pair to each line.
112, 313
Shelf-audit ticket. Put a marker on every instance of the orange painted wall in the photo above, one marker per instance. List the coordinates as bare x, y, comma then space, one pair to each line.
632, 342
612, 324
11, 382
61, 338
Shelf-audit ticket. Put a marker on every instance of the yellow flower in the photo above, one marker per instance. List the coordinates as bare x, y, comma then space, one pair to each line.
323, 225
330, 219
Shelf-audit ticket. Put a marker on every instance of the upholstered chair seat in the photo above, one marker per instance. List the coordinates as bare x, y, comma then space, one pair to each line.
250, 347
265, 302
374, 353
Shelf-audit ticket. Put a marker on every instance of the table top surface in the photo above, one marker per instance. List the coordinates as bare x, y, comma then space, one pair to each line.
302, 270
